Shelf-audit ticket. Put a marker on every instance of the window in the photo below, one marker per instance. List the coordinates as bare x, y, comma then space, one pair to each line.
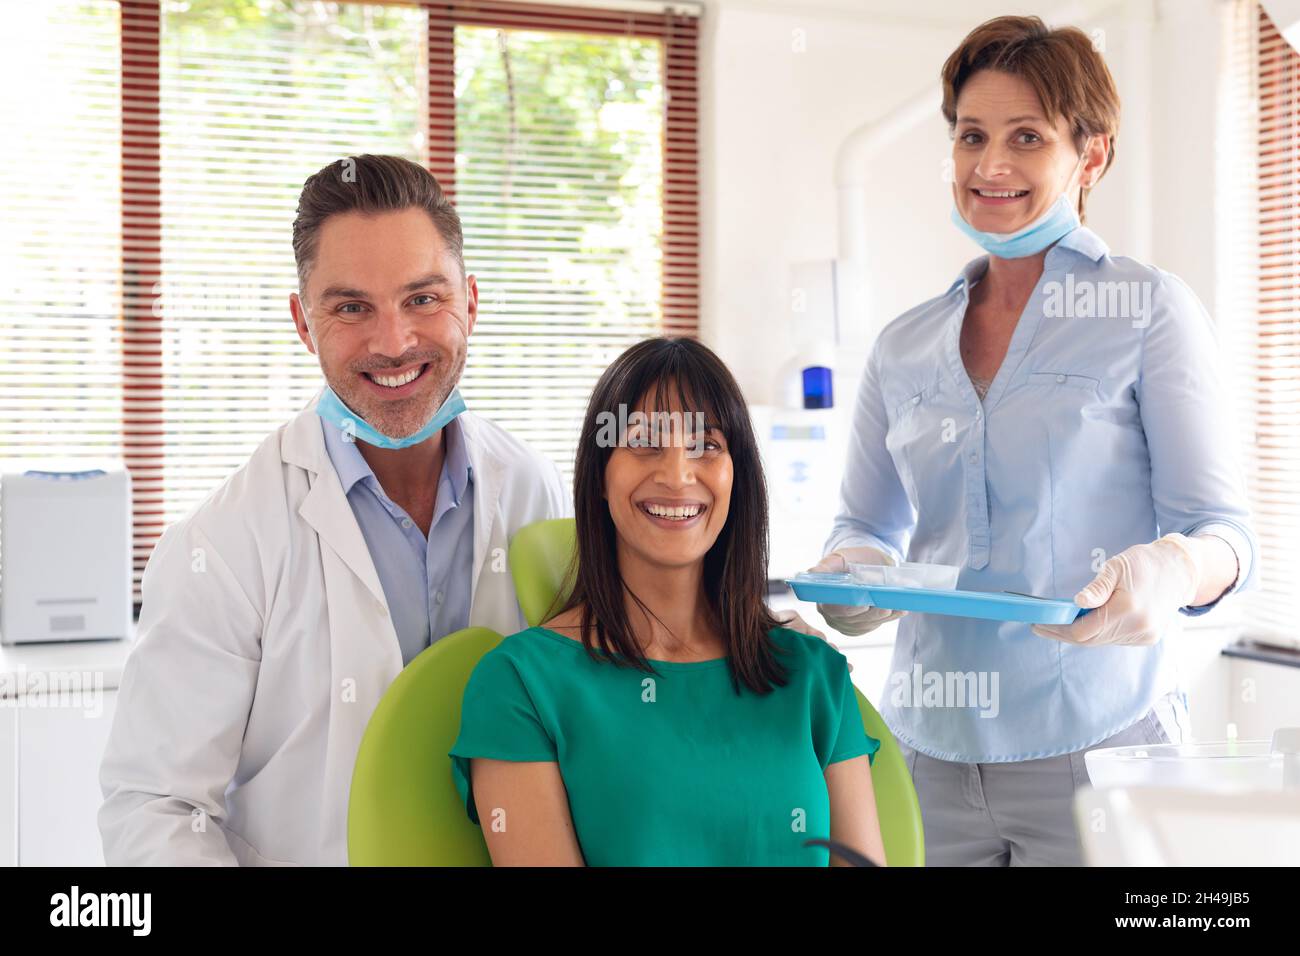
1260, 248
146, 245
61, 237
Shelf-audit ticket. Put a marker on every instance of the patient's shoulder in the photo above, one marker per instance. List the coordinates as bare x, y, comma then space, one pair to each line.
568, 623
812, 652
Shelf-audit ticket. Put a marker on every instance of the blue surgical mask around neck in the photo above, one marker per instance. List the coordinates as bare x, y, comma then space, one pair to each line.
331, 408
1059, 220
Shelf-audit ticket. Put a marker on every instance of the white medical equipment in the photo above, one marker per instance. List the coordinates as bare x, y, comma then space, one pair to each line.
1166, 826
1227, 765
65, 553
1221, 803
802, 437
803, 451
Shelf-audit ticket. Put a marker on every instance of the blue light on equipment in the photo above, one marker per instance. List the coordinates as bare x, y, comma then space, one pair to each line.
817, 391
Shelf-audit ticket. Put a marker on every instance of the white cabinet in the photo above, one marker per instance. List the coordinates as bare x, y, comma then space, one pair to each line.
1263, 696
59, 750
8, 785
56, 709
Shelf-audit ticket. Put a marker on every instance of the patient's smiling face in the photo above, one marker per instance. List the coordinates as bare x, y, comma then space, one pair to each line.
389, 313
669, 494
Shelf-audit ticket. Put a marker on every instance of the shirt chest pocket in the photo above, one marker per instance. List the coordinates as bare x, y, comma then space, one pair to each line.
1055, 406
1065, 388
1064, 402
1067, 383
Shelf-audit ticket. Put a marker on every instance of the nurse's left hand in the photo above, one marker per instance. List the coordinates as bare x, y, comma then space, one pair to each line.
1137, 595
791, 619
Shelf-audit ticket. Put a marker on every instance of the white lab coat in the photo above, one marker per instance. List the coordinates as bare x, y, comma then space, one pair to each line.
265, 643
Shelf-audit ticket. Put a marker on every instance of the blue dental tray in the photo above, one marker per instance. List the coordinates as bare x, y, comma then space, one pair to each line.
841, 588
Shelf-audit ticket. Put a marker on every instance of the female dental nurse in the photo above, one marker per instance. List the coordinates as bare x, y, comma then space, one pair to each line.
1053, 424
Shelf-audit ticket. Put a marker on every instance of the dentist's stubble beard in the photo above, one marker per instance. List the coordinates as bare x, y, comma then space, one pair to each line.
399, 418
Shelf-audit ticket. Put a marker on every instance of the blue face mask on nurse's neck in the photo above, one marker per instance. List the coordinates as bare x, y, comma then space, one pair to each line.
331, 408
1059, 220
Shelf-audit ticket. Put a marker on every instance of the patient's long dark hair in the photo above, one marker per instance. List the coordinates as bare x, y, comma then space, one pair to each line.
735, 568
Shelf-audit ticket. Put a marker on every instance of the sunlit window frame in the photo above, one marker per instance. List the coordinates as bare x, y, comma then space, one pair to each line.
143, 427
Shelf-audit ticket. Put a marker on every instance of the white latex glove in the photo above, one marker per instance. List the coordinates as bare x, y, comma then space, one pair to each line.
1137, 595
849, 619
790, 618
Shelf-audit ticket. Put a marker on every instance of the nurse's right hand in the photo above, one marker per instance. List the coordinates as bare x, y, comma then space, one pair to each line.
852, 620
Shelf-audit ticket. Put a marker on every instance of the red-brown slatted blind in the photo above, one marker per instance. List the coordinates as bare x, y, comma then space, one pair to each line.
143, 427
1275, 346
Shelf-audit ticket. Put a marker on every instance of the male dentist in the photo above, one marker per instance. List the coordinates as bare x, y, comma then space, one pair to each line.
377, 520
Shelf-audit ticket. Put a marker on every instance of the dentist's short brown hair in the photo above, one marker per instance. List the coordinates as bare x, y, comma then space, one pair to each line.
1062, 66
370, 184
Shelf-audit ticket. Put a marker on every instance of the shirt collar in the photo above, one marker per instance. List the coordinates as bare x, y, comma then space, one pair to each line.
352, 467
1081, 239
971, 273
456, 462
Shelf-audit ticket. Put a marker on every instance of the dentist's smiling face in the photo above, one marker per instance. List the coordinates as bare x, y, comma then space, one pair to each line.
390, 313
1010, 163
668, 496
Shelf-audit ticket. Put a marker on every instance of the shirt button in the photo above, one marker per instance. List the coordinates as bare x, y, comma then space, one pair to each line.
1060, 378
406, 522
438, 597
916, 400
974, 458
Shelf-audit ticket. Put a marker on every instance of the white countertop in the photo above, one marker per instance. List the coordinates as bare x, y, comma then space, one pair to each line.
22, 666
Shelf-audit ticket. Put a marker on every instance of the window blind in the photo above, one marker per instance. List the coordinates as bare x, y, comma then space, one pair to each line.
60, 242
150, 241
571, 158
1274, 343
60, 236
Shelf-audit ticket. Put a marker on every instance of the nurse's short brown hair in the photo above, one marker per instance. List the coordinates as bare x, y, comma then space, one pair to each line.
1062, 66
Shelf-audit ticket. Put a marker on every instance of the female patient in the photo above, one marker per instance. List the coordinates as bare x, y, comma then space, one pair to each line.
663, 717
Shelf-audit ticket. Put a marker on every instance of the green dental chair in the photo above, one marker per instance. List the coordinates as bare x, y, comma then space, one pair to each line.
404, 809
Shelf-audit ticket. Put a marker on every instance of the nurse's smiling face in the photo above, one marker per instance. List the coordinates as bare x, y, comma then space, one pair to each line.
390, 313
1010, 163
668, 495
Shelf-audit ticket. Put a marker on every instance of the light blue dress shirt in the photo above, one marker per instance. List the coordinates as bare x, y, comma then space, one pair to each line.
1106, 426
426, 582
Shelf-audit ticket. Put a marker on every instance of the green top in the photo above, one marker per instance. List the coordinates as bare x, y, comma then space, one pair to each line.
676, 769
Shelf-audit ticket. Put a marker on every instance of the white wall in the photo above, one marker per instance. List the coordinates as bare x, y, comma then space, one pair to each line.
773, 114
785, 83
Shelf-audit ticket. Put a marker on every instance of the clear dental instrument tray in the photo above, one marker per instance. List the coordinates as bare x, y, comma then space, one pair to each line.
928, 589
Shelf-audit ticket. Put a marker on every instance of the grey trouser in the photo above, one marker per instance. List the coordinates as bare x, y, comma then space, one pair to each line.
1019, 813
